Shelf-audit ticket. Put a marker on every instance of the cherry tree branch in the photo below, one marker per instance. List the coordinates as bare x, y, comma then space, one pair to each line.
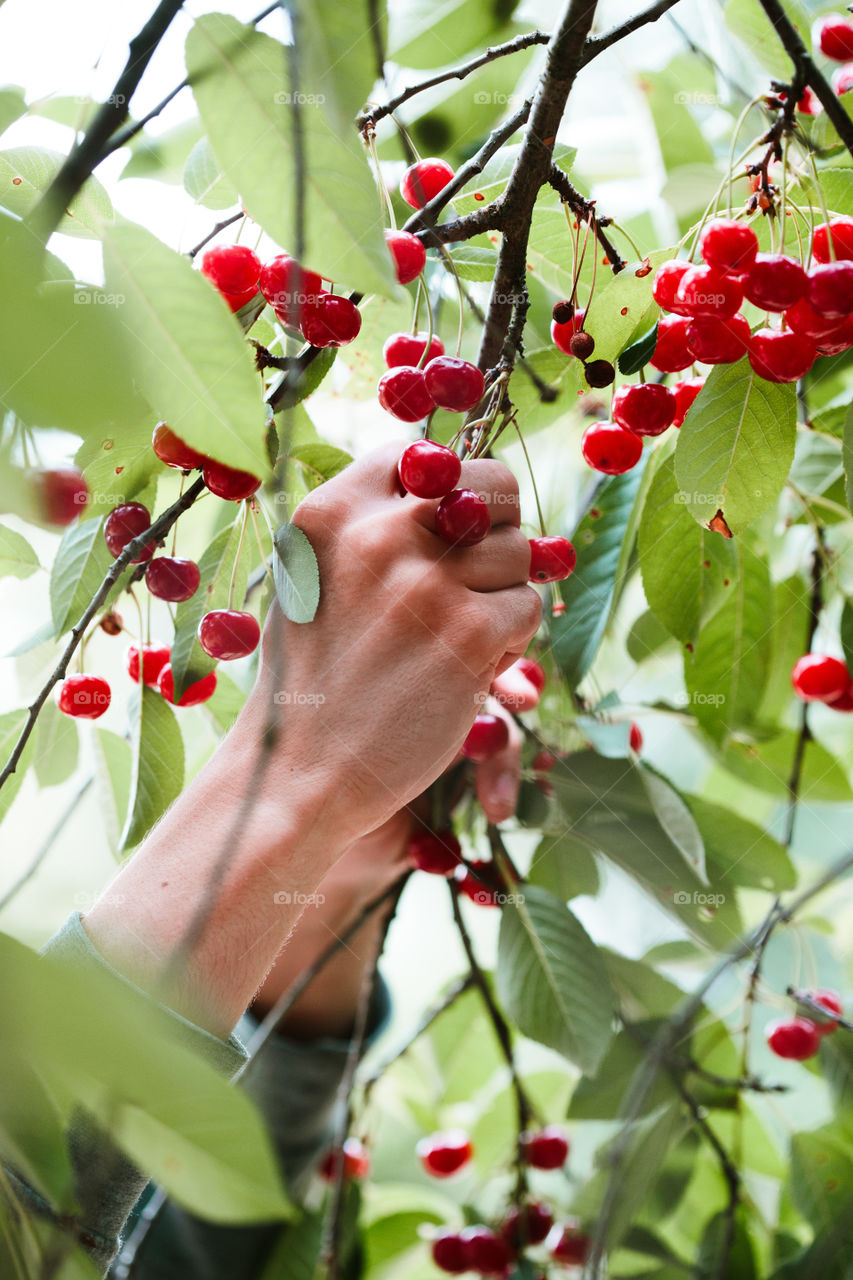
597, 44
158, 530
375, 114
83, 157
804, 735
806, 71
431, 1016
583, 209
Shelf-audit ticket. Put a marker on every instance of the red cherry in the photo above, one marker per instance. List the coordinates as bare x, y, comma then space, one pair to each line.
530, 668
563, 332
809, 104
422, 181
443, 1154
198, 692
438, 853
706, 292
84, 697
172, 450
407, 348
841, 232
486, 1252
289, 288
610, 448
333, 321
842, 79
671, 353
665, 286
487, 736
402, 391
796, 1038
154, 659
841, 339
170, 578
830, 289
803, 319
480, 882
781, 356
229, 482
570, 1246
527, 1225
228, 634
454, 384
408, 253
844, 702
429, 470
61, 493
646, 408
774, 282
236, 301
833, 35
831, 1001
449, 1252
728, 246
635, 738
543, 761
546, 1149
685, 393
719, 341
123, 524
356, 1162
462, 518
819, 678
233, 268
551, 559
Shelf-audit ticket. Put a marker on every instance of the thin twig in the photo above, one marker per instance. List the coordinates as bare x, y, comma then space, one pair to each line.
157, 531
804, 735
432, 1015
47, 844
220, 226
583, 209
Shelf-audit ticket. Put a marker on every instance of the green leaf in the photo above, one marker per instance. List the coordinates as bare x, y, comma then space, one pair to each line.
767, 766
675, 818
27, 172
736, 446
723, 1247
648, 635
119, 466
601, 1097
339, 44
100, 1044
588, 594
606, 805
319, 462
624, 308
564, 867
17, 558
846, 630
296, 1252
13, 104
791, 619
163, 156
751, 25
821, 1177
216, 567
33, 1139
551, 979
639, 353
80, 567
847, 455
683, 565
563, 379
158, 766
241, 85
742, 851
185, 350
475, 262
678, 133
11, 726
726, 671
299, 389
204, 181
426, 35
56, 746
296, 573
113, 759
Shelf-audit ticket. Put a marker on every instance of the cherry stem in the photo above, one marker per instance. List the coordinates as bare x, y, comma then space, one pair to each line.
243, 517
370, 137
447, 257
617, 226
264, 557
532, 476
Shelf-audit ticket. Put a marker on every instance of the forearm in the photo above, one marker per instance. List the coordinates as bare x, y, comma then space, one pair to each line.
239, 851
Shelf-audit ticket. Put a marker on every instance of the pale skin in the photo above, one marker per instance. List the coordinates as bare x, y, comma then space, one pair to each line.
360, 711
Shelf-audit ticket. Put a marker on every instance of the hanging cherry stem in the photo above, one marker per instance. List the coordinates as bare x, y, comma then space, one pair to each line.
253, 510
370, 138
532, 476
243, 517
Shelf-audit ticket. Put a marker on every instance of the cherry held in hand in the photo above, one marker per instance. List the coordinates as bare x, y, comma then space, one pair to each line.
462, 518
428, 469
454, 384
551, 559
487, 736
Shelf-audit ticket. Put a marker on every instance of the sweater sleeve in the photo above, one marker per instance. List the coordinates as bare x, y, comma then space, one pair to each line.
294, 1085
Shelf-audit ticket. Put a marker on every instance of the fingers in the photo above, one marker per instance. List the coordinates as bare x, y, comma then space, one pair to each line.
513, 690
500, 560
497, 780
494, 482
514, 615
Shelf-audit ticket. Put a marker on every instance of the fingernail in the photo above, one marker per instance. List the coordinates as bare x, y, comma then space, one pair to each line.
504, 790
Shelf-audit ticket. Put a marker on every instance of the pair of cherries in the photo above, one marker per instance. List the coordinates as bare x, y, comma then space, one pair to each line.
431, 470
799, 1038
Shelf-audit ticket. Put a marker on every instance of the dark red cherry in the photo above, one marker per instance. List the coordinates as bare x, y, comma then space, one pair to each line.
61, 494
154, 659
228, 634
84, 697
774, 282
706, 292
407, 348
795, 1038
437, 852
454, 384
685, 393
332, 321
488, 1253
816, 677
200, 691
462, 518
229, 482
840, 230
527, 1225
551, 559
402, 391
665, 286
563, 331
610, 448
728, 246
719, 341
487, 736
671, 353
123, 524
646, 408
781, 355
830, 289
428, 469
170, 578
289, 289
172, 450
423, 180
443, 1154
547, 1148
233, 268
355, 1159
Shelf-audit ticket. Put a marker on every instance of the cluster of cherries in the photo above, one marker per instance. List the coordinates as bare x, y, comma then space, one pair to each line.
833, 35
799, 1038
224, 634
703, 324
817, 677
479, 1248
